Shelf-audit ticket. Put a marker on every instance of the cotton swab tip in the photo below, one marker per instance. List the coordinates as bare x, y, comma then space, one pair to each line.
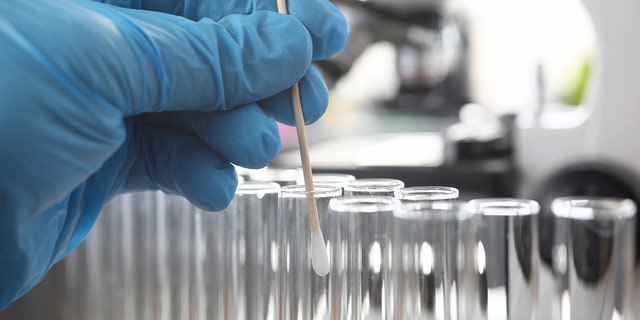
319, 254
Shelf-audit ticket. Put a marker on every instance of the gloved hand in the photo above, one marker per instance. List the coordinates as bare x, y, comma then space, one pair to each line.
311, 13
97, 100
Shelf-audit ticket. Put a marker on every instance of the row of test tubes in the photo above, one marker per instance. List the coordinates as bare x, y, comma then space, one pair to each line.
396, 252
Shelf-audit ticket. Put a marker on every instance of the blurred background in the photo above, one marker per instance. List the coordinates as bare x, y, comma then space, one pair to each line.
428, 91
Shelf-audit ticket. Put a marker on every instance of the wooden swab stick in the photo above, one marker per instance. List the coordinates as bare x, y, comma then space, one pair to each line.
319, 254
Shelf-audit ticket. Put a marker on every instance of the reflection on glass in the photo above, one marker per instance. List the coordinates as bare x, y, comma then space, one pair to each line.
232, 270
427, 193
506, 258
373, 187
361, 255
593, 257
431, 248
256, 217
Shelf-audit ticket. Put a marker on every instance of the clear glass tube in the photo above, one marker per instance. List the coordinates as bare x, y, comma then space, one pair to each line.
427, 193
233, 273
428, 232
593, 258
255, 210
73, 307
86, 292
373, 187
175, 253
213, 279
303, 294
116, 287
132, 256
112, 275
430, 276
361, 256
145, 253
506, 258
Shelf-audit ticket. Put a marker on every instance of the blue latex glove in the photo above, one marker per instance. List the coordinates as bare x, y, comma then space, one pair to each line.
96, 100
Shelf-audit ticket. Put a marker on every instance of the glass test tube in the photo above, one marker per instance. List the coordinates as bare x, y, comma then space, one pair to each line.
303, 294
116, 286
213, 281
427, 193
175, 253
593, 257
255, 211
361, 256
220, 260
144, 251
373, 187
443, 232
101, 281
506, 258
84, 272
430, 273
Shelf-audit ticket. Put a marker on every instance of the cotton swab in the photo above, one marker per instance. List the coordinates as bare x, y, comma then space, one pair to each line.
319, 254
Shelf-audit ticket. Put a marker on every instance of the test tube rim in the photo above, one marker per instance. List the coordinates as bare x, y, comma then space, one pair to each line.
507, 207
593, 208
341, 180
368, 184
320, 191
257, 187
374, 204
425, 193
440, 209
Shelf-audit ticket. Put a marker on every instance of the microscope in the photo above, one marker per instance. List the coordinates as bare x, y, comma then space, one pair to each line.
430, 42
